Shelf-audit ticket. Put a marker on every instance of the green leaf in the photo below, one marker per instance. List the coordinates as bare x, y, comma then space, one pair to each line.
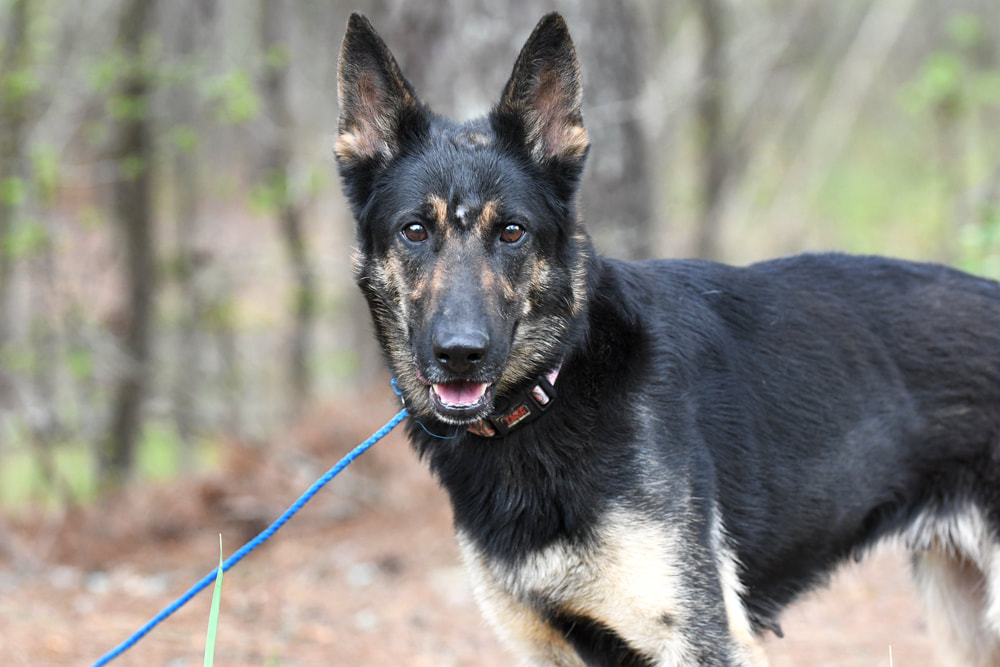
986, 88
185, 138
271, 195
13, 192
278, 56
213, 618
263, 199
17, 85
319, 181
105, 74
942, 75
80, 363
24, 239
937, 85
235, 98
965, 29
45, 160
132, 167
220, 315
127, 107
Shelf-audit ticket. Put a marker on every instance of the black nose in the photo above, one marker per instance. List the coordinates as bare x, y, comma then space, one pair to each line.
460, 352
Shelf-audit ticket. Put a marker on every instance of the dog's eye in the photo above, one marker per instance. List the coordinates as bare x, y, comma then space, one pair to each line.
512, 233
415, 233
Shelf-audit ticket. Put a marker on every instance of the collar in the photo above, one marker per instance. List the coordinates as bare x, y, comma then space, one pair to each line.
517, 409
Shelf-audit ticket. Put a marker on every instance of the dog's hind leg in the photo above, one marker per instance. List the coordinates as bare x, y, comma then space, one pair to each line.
962, 596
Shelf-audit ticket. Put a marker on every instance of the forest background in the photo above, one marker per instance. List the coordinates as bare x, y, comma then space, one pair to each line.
174, 246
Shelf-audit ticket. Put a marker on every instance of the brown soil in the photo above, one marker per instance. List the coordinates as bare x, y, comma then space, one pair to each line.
367, 574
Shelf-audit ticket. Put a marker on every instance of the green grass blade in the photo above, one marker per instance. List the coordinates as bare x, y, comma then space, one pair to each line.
213, 619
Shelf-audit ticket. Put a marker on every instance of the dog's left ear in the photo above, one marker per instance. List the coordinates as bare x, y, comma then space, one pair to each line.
379, 112
544, 95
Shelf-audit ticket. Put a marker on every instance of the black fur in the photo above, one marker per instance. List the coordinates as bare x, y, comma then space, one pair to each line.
815, 403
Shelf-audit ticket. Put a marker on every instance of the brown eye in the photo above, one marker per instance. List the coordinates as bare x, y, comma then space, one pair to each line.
512, 233
415, 233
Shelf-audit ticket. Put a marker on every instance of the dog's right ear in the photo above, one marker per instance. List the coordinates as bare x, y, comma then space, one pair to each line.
379, 112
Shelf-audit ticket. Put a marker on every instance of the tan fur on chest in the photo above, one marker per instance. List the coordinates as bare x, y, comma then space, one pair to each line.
628, 579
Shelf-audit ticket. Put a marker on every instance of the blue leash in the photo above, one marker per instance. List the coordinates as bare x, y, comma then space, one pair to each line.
209, 578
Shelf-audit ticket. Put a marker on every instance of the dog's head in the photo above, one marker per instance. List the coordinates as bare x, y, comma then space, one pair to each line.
469, 249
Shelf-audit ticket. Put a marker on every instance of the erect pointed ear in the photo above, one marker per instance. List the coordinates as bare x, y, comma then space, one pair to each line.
378, 108
544, 95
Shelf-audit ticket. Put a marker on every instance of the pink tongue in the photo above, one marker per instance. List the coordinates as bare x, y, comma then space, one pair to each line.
460, 393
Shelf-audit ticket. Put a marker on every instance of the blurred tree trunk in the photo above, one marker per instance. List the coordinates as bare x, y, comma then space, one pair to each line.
617, 191
46, 349
187, 153
712, 124
132, 209
17, 99
13, 114
278, 174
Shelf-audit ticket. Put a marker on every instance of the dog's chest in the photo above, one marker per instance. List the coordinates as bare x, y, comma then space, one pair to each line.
626, 579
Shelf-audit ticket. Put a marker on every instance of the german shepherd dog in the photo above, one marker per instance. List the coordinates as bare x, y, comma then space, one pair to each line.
648, 461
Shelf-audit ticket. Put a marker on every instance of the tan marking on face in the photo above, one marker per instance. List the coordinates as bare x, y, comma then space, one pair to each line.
489, 278
536, 339
509, 293
381, 286
434, 285
419, 288
578, 273
475, 139
439, 206
488, 216
392, 273
539, 281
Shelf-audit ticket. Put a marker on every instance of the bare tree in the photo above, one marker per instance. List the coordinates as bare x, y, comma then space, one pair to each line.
277, 169
186, 163
17, 102
712, 129
133, 213
13, 114
617, 191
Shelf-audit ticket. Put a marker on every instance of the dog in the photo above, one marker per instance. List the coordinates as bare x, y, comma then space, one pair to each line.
648, 461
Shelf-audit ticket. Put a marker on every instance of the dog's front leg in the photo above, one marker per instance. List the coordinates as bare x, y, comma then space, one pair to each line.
633, 594
518, 624
535, 642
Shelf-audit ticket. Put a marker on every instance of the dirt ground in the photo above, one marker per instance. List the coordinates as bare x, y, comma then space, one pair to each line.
367, 574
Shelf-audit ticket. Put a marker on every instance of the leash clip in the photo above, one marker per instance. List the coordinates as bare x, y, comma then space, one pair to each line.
402, 399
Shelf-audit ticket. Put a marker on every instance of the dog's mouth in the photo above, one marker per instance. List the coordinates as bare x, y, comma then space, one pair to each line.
458, 400
460, 395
